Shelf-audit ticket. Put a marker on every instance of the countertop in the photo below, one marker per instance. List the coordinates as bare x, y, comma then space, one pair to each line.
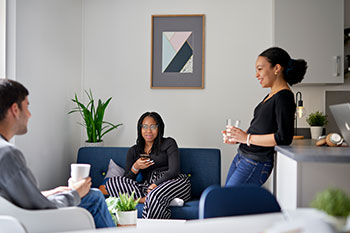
304, 150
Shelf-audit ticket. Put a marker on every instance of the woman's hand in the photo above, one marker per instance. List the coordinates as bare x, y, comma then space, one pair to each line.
151, 187
233, 135
143, 163
227, 137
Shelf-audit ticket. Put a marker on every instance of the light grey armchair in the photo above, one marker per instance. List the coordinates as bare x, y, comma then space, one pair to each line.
53, 220
10, 224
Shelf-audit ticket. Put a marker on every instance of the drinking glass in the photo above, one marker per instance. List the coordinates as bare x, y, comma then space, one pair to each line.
228, 126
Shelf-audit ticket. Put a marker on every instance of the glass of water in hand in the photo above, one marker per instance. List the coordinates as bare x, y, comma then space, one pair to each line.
227, 136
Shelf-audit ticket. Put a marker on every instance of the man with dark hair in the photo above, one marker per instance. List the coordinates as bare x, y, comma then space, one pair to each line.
18, 184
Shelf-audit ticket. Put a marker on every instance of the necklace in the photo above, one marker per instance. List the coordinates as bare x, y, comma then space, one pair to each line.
148, 151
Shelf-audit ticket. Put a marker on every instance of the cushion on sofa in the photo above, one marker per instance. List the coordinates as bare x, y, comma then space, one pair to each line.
114, 170
188, 211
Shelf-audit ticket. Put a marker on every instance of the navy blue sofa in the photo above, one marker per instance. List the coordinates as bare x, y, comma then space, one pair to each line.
203, 165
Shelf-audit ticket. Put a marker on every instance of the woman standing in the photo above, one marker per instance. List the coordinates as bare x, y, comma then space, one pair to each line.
158, 160
273, 122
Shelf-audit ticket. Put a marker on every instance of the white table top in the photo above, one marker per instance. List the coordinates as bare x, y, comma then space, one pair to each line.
239, 224
304, 218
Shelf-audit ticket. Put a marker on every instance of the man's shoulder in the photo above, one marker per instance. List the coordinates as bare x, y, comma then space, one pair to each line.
4, 143
9, 153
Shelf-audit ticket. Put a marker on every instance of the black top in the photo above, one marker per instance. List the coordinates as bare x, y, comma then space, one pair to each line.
168, 159
276, 116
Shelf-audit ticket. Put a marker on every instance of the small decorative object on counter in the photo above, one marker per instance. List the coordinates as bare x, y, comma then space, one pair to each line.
332, 139
316, 120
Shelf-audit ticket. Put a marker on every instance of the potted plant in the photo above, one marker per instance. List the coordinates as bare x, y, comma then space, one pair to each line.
336, 203
123, 209
316, 120
93, 115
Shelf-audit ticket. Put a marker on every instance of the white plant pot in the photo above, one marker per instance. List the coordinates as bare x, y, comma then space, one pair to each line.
93, 144
126, 218
316, 131
340, 223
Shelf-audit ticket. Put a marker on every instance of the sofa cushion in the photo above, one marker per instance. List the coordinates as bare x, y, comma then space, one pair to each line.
99, 158
114, 170
203, 166
188, 211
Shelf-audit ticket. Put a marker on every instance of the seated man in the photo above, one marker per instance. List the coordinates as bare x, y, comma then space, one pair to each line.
17, 183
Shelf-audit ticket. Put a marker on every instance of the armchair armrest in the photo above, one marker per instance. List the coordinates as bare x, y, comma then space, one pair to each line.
53, 220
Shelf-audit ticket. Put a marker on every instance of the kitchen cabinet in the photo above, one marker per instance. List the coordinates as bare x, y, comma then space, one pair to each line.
312, 30
303, 169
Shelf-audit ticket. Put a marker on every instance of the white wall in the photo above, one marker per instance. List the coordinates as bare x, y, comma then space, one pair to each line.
117, 38
48, 63
2, 37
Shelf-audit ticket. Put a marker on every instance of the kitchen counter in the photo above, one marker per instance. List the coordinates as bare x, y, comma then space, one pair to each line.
305, 150
304, 169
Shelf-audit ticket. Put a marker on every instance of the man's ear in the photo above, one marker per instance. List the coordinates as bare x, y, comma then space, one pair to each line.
14, 110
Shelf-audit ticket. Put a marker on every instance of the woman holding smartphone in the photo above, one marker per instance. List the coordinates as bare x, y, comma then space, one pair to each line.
273, 122
158, 160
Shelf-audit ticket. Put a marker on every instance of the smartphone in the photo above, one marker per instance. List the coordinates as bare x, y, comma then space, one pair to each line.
144, 156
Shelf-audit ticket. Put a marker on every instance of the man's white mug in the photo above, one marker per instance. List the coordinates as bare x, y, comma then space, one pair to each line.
79, 171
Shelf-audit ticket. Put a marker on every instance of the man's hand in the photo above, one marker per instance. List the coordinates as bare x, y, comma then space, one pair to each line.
54, 191
82, 187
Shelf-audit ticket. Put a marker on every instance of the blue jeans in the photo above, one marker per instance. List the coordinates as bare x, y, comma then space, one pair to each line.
248, 171
95, 203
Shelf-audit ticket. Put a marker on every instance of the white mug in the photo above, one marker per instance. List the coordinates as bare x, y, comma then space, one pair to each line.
79, 171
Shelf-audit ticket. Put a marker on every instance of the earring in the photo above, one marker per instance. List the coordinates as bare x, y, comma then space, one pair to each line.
276, 73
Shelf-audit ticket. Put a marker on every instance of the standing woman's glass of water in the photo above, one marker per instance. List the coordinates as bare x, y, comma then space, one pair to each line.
227, 136
228, 127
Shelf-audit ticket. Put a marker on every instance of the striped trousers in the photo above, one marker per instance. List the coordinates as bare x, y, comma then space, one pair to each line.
157, 201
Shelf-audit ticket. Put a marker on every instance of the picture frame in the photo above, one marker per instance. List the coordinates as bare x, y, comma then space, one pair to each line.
177, 51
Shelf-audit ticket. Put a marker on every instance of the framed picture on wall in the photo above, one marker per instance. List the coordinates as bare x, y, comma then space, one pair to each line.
177, 52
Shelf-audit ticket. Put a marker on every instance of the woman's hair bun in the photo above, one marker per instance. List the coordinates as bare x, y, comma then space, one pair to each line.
295, 71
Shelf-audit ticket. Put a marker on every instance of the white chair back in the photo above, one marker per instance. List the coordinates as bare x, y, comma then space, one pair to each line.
53, 220
10, 224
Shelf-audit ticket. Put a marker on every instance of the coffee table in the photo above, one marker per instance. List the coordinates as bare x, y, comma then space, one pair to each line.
142, 223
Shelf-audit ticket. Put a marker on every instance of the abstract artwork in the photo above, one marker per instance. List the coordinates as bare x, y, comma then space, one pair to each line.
177, 51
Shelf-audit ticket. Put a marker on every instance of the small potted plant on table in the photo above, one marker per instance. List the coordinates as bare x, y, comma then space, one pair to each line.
317, 120
336, 203
123, 209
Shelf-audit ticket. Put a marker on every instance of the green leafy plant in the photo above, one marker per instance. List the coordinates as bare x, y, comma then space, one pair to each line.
94, 124
111, 204
122, 203
333, 201
317, 119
